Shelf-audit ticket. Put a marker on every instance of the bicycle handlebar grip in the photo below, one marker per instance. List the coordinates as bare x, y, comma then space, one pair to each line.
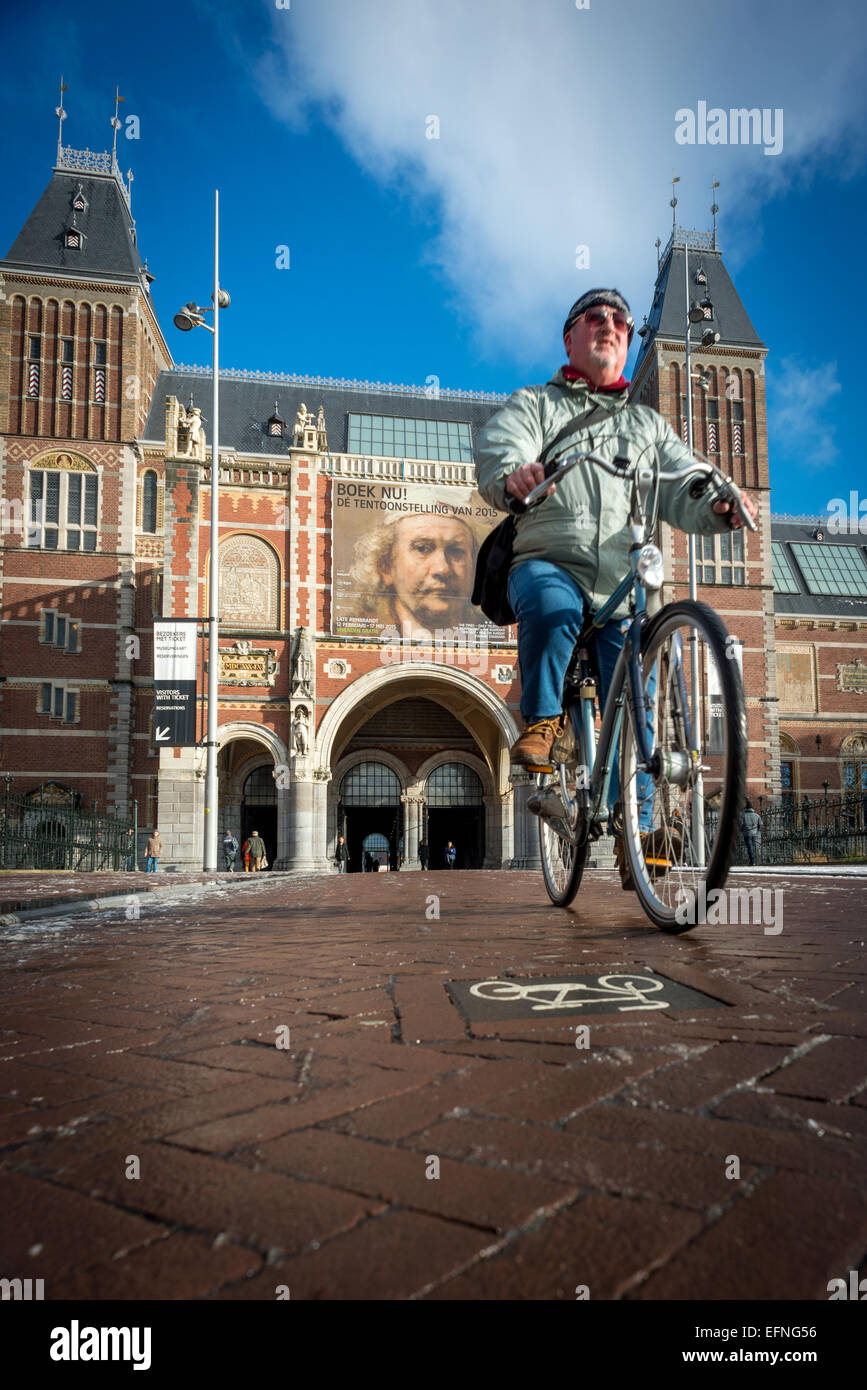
551, 467
517, 506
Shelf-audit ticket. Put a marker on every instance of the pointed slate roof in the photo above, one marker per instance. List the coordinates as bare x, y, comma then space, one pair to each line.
667, 315
108, 249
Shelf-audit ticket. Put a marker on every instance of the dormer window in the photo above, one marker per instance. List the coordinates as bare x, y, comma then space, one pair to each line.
276, 424
79, 203
700, 276
73, 237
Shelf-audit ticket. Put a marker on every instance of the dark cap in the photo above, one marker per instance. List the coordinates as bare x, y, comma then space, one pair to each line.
613, 298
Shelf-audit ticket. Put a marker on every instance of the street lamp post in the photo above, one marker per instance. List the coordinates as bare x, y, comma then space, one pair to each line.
192, 316
694, 314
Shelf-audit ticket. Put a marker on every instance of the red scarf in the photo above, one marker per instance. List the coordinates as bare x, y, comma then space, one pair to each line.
573, 374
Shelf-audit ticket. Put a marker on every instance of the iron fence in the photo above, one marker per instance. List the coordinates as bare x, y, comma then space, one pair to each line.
811, 830
38, 830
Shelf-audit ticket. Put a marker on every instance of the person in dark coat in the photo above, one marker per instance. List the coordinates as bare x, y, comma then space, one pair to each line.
423, 855
341, 855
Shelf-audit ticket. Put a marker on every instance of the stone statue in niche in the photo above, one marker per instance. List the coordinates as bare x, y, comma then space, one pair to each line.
302, 673
321, 436
299, 731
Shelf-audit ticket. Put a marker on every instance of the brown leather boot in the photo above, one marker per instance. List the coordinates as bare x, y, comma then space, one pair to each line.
533, 748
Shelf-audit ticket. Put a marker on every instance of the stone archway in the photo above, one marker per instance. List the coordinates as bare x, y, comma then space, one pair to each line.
486, 725
244, 748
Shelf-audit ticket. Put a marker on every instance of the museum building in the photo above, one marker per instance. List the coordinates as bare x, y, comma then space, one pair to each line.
357, 695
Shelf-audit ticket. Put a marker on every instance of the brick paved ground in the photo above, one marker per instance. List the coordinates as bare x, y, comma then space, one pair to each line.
260, 1166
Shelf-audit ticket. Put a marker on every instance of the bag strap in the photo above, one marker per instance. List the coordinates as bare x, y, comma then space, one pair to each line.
573, 427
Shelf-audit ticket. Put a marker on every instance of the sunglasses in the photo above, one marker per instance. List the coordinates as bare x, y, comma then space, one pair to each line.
600, 315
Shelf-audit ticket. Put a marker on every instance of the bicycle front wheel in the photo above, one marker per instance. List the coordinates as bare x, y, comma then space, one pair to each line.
679, 820
563, 846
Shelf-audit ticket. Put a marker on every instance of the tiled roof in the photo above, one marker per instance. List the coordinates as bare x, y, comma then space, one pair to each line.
803, 603
666, 317
109, 249
246, 404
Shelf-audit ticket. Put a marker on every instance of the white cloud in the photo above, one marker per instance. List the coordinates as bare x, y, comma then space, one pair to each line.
799, 400
557, 128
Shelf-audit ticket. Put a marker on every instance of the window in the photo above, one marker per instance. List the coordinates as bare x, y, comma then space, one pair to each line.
67, 350
784, 580
69, 495
33, 367
723, 557
453, 784
832, 569
370, 784
149, 502
395, 437
99, 357
713, 426
58, 702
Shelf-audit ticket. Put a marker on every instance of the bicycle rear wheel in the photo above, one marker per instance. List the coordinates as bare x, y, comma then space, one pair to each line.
693, 791
563, 846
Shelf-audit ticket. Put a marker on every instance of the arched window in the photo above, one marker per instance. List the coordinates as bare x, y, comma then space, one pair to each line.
453, 784
789, 775
149, 502
370, 784
260, 788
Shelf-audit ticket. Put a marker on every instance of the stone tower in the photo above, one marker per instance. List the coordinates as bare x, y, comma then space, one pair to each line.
730, 427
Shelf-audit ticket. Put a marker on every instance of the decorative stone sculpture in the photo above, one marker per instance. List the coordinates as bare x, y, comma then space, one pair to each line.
302, 420
302, 671
191, 431
299, 731
321, 436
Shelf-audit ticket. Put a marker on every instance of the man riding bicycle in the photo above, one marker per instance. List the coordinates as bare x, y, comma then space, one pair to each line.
571, 553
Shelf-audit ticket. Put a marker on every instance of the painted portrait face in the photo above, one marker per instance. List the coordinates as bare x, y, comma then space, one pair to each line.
431, 569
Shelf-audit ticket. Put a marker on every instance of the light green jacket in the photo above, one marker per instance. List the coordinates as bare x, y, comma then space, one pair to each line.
583, 527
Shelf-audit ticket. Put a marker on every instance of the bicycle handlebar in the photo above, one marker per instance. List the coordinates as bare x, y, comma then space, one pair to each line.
621, 467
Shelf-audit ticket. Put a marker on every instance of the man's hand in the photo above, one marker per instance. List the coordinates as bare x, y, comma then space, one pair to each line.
728, 508
525, 478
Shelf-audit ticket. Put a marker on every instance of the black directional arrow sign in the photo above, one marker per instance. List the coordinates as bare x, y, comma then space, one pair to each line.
175, 683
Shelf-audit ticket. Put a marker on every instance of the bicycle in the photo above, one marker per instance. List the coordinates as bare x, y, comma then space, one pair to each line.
667, 772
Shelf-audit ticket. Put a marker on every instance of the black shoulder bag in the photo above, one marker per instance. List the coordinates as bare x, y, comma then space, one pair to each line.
494, 561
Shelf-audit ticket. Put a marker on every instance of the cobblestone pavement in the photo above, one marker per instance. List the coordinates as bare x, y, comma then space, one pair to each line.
157, 1142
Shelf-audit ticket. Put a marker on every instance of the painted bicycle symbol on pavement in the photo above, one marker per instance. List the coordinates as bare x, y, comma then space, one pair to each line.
625, 992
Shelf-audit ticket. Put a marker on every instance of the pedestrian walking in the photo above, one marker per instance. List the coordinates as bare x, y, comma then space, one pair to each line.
230, 851
751, 828
245, 854
450, 854
153, 850
256, 847
423, 854
341, 855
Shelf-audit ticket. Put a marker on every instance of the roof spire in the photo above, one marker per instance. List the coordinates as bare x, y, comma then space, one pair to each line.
61, 117
714, 209
657, 244
675, 178
116, 124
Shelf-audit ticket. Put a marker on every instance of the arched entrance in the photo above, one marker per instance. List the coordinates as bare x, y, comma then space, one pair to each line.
369, 805
259, 810
454, 810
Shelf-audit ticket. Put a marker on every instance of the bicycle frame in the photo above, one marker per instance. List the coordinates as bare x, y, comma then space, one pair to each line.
626, 682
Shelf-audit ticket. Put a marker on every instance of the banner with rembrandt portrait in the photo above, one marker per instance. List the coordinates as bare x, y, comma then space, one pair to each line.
404, 557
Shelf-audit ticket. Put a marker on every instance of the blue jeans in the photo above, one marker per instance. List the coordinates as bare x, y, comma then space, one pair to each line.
550, 609
151, 865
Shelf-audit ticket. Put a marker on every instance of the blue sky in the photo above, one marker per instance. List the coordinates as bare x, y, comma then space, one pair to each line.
454, 256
